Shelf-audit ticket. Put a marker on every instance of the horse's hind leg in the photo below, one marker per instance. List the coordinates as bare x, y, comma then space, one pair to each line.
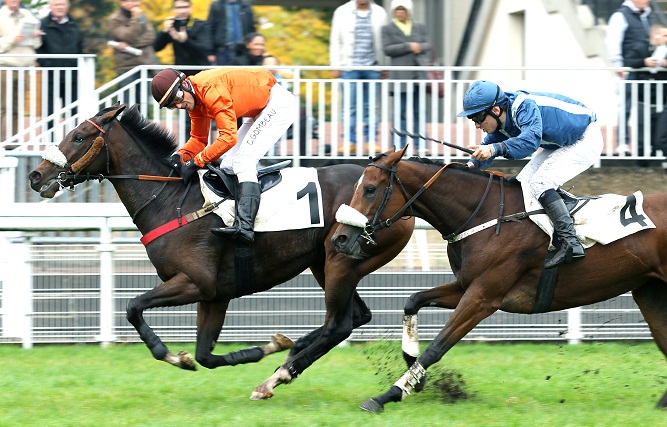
179, 290
210, 318
651, 298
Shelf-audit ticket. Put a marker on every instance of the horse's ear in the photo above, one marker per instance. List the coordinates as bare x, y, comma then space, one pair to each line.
112, 113
401, 152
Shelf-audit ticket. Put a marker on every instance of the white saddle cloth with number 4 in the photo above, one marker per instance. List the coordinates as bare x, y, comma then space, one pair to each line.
599, 220
295, 203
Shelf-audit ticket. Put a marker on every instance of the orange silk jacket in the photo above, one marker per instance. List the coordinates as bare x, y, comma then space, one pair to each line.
224, 94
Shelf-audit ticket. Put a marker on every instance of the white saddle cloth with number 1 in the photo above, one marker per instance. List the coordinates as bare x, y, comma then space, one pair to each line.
295, 203
600, 220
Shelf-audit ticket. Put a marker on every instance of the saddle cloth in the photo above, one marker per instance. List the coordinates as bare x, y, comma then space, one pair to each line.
295, 203
598, 220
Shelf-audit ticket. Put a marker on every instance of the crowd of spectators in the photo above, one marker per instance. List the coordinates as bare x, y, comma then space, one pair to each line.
363, 33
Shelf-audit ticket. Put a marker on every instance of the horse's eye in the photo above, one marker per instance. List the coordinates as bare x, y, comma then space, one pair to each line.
370, 190
78, 139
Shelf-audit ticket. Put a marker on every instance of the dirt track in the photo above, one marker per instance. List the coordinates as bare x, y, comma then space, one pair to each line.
613, 179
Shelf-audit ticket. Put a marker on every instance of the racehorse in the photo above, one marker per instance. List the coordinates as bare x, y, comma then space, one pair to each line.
195, 265
495, 268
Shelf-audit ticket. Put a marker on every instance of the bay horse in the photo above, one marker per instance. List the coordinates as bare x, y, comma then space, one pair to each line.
495, 271
197, 267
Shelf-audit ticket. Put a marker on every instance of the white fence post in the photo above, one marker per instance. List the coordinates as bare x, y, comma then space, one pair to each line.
574, 334
17, 292
106, 285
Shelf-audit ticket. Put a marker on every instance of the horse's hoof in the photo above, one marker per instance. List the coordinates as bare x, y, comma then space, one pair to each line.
257, 395
282, 341
372, 405
187, 362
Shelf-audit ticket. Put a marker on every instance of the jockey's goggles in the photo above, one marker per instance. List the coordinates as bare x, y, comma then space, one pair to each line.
178, 98
479, 117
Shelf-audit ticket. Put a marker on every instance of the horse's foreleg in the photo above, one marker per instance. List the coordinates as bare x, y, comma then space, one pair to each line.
470, 311
447, 295
210, 318
651, 298
336, 328
360, 316
177, 291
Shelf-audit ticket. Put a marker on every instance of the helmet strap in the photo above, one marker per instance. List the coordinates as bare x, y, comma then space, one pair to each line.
497, 117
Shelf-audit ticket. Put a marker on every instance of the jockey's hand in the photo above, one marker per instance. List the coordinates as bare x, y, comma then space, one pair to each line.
189, 170
481, 152
174, 162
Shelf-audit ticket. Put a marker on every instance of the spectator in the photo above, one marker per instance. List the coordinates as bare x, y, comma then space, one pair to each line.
270, 61
405, 43
356, 40
130, 28
223, 94
13, 19
250, 51
189, 37
229, 22
628, 30
638, 57
660, 141
60, 35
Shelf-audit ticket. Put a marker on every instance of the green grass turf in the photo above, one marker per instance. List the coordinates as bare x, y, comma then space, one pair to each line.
599, 384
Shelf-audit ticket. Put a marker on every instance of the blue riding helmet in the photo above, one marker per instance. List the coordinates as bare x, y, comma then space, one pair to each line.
482, 95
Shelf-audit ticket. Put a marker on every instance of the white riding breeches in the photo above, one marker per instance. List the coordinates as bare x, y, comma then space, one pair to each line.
257, 135
551, 168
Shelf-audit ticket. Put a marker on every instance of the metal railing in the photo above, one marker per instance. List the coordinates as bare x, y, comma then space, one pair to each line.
324, 105
74, 290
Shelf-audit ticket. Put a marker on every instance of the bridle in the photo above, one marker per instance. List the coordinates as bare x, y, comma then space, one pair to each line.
377, 224
68, 179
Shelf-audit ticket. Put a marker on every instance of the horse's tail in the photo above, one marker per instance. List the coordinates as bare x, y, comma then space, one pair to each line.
410, 341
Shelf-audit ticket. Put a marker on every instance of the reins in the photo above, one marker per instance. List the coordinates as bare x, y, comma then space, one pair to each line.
376, 224
71, 175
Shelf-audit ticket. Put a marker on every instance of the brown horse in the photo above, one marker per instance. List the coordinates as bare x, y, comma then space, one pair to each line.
497, 271
195, 265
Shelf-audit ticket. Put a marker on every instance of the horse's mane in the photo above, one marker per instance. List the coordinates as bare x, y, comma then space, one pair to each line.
460, 167
154, 139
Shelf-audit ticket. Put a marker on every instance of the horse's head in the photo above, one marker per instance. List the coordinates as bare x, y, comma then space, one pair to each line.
78, 151
372, 204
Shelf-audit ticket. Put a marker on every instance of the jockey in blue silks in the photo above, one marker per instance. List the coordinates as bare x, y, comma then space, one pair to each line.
517, 125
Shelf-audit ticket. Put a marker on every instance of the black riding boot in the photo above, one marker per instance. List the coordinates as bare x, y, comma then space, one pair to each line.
564, 227
247, 205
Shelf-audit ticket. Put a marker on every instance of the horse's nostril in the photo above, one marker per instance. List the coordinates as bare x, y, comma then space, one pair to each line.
35, 177
341, 240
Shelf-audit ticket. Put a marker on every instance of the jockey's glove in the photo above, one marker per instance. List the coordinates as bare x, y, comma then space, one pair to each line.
189, 170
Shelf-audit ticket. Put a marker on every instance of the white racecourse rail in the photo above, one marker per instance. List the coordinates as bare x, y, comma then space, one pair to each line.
73, 289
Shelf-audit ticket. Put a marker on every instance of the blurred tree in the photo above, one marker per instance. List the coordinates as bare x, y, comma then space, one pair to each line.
296, 36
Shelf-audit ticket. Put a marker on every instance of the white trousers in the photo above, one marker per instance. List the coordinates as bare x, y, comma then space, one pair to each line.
257, 135
551, 168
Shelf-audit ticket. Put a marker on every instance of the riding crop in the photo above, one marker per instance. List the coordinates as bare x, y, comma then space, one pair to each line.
426, 138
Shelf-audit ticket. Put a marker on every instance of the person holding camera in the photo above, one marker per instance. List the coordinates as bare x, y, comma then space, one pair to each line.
189, 37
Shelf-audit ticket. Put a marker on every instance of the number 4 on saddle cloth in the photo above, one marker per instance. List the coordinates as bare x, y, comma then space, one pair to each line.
601, 219
291, 198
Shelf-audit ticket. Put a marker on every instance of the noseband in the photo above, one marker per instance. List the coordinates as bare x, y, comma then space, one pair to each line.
67, 179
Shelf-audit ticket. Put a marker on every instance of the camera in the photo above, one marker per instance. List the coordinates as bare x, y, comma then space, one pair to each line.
180, 23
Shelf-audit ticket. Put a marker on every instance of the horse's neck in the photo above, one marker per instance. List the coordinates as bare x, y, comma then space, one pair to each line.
143, 195
453, 198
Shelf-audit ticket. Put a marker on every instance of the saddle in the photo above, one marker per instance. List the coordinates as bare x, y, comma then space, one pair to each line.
224, 184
